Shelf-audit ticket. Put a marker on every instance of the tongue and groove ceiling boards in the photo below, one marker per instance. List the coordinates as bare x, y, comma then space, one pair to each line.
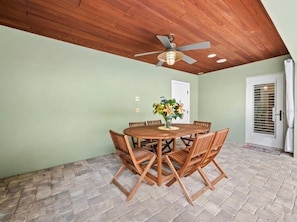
239, 31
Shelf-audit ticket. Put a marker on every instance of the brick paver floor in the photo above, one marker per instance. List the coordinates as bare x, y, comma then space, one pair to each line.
260, 187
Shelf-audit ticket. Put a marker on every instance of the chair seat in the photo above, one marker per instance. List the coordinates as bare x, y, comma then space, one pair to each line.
179, 156
142, 155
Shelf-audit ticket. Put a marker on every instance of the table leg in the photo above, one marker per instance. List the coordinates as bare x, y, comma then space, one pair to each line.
159, 162
174, 144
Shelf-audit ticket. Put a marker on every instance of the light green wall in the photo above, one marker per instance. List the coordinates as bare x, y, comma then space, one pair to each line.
284, 16
58, 100
222, 95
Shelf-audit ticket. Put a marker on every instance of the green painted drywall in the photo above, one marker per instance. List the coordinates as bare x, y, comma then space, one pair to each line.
222, 95
284, 16
59, 100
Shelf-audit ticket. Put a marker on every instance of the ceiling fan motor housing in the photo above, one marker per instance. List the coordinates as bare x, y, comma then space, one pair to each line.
171, 37
173, 45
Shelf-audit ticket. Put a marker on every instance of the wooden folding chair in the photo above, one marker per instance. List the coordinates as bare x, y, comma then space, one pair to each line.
149, 144
215, 148
185, 162
188, 140
137, 160
166, 143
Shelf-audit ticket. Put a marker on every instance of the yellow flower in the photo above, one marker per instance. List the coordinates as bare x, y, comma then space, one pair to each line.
168, 108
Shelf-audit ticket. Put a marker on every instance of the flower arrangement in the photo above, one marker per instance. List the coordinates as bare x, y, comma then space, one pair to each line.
168, 108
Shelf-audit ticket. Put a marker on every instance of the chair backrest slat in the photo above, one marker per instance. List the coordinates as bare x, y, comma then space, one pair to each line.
203, 144
217, 144
122, 146
154, 122
203, 124
198, 151
134, 124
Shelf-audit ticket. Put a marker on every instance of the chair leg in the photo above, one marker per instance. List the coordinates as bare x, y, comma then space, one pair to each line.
142, 176
115, 182
167, 145
221, 176
186, 141
199, 193
205, 178
143, 167
208, 183
153, 148
172, 181
120, 171
179, 180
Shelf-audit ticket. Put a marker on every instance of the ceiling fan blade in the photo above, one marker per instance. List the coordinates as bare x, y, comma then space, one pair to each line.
188, 59
165, 41
202, 45
160, 63
147, 53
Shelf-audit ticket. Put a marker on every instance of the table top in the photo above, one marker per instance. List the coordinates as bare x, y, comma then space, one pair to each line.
153, 131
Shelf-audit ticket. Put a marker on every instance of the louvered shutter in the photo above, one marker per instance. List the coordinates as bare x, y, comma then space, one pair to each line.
263, 108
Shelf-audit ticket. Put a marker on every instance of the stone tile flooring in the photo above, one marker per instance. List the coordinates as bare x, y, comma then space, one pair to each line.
260, 187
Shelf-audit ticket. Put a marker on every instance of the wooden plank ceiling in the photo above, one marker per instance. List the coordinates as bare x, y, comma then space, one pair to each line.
238, 30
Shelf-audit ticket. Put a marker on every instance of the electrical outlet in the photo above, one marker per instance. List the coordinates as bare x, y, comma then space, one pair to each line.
137, 110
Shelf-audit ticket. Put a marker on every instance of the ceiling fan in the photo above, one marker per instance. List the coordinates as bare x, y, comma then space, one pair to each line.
172, 54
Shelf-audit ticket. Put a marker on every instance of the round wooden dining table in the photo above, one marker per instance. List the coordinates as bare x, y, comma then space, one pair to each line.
159, 133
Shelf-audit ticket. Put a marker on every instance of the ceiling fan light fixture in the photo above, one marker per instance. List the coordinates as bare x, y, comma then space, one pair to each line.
170, 57
179, 56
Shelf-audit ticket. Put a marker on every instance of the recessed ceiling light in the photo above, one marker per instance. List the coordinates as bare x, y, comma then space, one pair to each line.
221, 60
212, 55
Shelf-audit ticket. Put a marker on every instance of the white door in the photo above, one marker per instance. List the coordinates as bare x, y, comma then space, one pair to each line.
264, 110
181, 92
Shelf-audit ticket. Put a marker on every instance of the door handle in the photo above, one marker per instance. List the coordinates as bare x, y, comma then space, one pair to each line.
280, 115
